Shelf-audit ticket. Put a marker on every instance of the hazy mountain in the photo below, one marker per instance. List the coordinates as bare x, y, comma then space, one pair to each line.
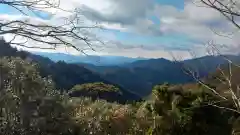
90, 59
140, 76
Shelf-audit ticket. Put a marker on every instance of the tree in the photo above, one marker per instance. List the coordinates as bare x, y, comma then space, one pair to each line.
27, 32
230, 9
224, 83
98, 90
29, 104
177, 111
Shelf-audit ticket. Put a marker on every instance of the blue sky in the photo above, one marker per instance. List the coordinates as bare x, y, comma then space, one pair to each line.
5, 9
144, 26
176, 3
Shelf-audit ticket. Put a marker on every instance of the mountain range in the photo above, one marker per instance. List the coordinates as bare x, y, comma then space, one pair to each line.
140, 75
135, 76
90, 59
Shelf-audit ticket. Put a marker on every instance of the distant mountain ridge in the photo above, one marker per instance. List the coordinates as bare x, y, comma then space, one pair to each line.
140, 76
90, 59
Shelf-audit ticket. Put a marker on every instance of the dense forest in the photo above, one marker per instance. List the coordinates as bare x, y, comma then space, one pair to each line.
39, 96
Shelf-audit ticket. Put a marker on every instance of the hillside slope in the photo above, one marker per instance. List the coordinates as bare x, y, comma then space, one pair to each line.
65, 76
140, 76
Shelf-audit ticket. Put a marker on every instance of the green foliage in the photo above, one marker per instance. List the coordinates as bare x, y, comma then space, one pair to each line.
29, 104
97, 86
97, 90
185, 112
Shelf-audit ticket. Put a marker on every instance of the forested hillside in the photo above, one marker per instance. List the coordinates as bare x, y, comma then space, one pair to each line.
140, 76
65, 76
31, 105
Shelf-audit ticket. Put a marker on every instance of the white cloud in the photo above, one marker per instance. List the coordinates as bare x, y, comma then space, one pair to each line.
192, 21
134, 52
199, 23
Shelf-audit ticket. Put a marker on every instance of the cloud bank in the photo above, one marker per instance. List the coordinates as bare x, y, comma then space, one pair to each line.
151, 28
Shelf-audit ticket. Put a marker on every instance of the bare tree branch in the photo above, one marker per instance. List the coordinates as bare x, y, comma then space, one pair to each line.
230, 9
44, 32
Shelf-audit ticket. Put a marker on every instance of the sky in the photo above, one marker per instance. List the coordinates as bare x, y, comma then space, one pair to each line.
145, 28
